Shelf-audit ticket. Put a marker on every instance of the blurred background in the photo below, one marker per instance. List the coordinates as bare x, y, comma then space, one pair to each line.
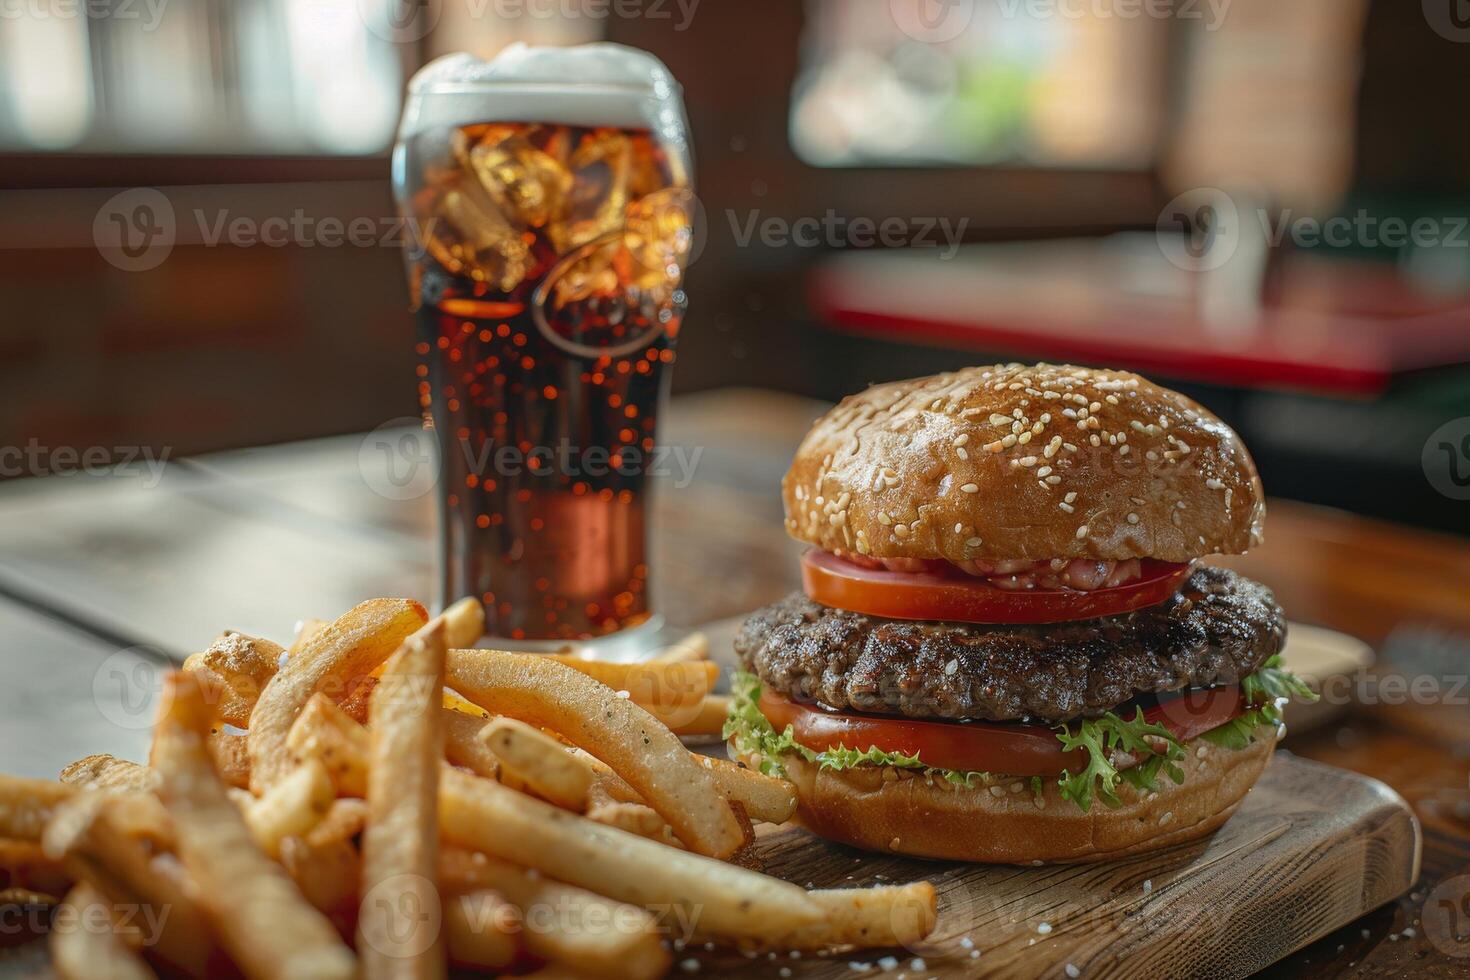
1262, 203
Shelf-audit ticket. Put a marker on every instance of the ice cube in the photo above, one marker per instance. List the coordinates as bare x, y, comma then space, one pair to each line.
601, 166
469, 235
658, 232
527, 183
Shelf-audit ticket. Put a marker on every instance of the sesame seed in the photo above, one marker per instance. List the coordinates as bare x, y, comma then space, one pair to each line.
1071, 496
1214, 484
1053, 479
1082, 532
970, 488
1043, 471
1132, 518
1026, 461
884, 519
1166, 818
973, 542
962, 439
1008, 441
1052, 447
1024, 437
1068, 508
999, 419
960, 452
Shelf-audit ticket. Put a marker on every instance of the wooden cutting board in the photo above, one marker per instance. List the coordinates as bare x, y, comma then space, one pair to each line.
1311, 848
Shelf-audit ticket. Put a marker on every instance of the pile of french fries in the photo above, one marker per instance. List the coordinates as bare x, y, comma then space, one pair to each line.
382, 800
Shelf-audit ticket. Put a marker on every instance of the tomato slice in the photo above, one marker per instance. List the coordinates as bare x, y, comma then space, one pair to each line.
956, 597
1012, 748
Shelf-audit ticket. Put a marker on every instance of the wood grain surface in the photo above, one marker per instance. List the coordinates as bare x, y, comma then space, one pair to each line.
1311, 849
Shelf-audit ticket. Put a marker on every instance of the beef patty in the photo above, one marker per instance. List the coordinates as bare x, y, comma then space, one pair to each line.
1217, 629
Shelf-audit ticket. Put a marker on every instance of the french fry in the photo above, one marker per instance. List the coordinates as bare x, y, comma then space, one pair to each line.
261, 919
234, 670
705, 717
765, 798
635, 818
679, 685
464, 622
400, 845
695, 646
540, 762
82, 951
106, 772
570, 926
324, 731
463, 747
305, 630
331, 661
24, 866
327, 873
109, 854
23, 897
889, 915
231, 757
344, 820
27, 804
480, 930
735, 903
291, 807
588, 714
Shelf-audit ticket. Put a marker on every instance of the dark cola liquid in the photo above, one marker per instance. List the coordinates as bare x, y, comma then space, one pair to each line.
544, 345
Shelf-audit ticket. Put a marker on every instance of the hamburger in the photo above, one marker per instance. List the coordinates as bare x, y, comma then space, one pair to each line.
1006, 648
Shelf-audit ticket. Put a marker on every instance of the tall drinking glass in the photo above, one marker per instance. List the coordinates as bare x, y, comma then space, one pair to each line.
550, 192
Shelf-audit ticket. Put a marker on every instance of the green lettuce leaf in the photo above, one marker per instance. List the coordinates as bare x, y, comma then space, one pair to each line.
752, 733
1097, 739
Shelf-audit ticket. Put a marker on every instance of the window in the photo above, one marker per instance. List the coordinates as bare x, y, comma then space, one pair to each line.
1018, 83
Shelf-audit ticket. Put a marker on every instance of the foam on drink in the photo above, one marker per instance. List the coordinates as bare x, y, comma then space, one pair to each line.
587, 85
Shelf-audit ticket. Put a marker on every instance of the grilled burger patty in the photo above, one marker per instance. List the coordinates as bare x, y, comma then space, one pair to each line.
1217, 629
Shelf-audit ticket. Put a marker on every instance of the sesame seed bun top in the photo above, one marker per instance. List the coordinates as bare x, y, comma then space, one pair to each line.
1024, 462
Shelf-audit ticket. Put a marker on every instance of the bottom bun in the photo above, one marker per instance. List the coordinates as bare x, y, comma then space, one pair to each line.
1004, 822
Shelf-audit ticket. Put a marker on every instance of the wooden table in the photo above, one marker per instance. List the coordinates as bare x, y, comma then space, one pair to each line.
103, 581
